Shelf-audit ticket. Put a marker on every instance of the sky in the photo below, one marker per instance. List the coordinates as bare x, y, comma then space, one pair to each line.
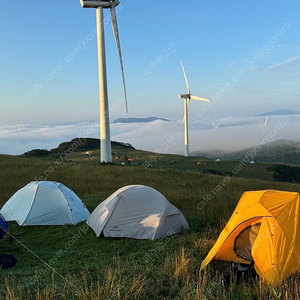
243, 56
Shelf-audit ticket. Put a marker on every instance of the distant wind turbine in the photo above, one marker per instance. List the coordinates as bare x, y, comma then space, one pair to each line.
104, 110
187, 97
265, 125
215, 126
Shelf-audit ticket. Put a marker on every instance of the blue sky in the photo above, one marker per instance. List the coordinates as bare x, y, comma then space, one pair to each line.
214, 40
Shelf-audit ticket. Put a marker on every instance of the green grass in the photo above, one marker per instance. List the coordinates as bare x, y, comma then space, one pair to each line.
69, 262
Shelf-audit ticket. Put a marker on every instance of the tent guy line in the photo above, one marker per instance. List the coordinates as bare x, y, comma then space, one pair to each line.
33, 253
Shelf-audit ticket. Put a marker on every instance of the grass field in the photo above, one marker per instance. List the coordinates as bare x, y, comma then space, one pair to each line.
69, 262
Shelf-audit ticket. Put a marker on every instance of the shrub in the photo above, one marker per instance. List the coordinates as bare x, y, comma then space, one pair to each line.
285, 173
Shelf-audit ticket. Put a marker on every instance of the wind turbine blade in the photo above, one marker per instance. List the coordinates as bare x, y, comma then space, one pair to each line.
186, 81
183, 120
266, 121
199, 98
117, 39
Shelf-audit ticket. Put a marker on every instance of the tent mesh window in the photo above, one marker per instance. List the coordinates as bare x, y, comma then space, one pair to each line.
244, 241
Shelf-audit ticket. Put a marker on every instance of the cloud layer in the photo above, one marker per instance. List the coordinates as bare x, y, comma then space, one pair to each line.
232, 134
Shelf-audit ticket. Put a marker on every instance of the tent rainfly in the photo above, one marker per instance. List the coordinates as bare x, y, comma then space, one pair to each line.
139, 212
45, 203
264, 229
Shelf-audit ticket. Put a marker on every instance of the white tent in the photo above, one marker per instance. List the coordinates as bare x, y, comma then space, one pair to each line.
139, 212
45, 203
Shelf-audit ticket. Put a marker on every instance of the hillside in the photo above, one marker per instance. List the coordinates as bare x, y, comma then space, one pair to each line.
87, 151
75, 145
70, 262
281, 151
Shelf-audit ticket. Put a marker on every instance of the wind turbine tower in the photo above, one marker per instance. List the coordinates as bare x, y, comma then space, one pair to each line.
187, 97
106, 156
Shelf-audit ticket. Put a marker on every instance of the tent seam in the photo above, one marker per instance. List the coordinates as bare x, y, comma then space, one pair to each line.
70, 210
160, 220
113, 209
31, 204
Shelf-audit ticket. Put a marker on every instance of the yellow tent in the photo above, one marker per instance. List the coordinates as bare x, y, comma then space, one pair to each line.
264, 228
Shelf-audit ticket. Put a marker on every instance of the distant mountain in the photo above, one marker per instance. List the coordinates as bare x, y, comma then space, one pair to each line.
138, 120
280, 112
281, 151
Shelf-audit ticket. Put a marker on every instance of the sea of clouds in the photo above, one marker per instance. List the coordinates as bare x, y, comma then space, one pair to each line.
233, 133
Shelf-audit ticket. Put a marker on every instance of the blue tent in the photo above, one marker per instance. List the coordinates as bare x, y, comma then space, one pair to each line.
3, 227
7, 261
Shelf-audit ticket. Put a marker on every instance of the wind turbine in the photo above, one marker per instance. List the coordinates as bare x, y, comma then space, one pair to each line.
215, 126
104, 110
265, 125
187, 97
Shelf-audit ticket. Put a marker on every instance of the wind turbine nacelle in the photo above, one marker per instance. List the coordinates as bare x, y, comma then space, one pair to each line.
184, 96
98, 3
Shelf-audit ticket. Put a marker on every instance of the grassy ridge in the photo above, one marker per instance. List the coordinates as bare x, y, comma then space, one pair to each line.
69, 262
280, 151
